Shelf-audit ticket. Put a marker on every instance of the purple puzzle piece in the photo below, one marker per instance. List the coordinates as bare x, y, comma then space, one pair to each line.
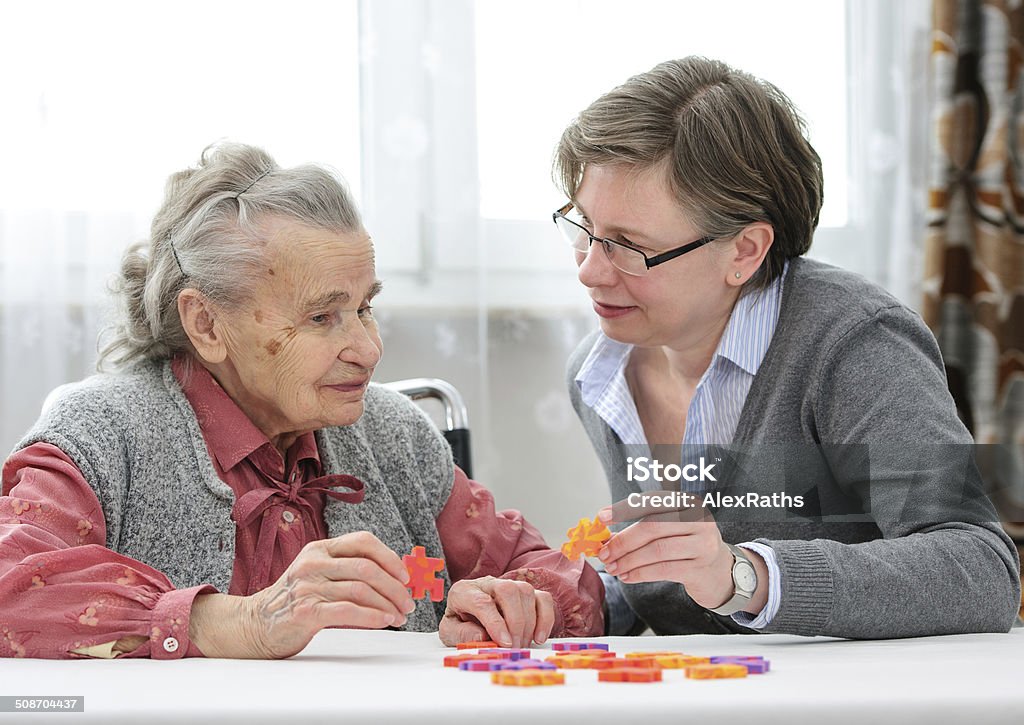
477, 665
522, 665
755, 665
508, 654
578, 646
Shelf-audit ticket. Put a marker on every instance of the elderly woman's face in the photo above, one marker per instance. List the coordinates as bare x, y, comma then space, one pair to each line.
677, 303
302, 353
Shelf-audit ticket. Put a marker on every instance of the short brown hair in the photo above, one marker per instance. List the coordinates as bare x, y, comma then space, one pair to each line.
735, 147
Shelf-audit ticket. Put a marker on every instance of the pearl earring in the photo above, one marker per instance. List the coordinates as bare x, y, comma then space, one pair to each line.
738, 275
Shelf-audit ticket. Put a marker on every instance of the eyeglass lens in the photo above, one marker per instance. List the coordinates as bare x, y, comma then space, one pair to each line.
623, 258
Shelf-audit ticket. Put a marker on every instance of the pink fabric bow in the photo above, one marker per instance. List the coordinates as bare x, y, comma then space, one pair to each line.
268, 502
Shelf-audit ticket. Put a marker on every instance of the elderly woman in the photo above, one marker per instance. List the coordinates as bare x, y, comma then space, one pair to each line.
240, 484
693, 196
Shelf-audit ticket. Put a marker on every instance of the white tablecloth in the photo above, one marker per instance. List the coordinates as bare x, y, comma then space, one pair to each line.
357, 676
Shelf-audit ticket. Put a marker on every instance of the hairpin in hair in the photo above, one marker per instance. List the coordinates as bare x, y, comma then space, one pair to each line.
170, 241
252, 183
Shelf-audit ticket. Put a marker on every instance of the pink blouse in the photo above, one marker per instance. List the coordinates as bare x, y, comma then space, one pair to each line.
64, 591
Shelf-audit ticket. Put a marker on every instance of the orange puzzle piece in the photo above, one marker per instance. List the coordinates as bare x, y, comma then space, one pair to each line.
482, 644
527, 678
715, 672
572, 661
667, 660
585, 539
630, 674
679, 662
421, 570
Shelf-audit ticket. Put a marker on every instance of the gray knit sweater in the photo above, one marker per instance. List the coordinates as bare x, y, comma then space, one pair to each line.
848, 364
136, 440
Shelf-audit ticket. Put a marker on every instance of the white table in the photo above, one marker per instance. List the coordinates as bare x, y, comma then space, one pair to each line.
356, 676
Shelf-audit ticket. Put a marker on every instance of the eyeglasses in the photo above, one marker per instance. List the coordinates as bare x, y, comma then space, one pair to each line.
622, 256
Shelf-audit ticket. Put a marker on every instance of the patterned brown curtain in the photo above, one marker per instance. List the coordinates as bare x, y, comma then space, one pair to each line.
974, 249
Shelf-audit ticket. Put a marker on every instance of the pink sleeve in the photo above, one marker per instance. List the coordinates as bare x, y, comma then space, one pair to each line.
61, 588
479, 541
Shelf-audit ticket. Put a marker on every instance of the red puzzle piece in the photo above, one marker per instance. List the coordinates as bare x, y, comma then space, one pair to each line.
421, 570
456, 660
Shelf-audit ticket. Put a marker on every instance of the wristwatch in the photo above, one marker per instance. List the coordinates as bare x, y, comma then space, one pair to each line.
744, 580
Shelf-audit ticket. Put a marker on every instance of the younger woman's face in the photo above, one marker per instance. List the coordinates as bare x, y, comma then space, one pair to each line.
677, 304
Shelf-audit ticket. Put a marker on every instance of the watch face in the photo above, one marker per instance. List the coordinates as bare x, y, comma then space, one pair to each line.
746, 579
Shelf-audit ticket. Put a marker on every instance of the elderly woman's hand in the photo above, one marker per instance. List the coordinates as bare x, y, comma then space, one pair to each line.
511, 613
348, 581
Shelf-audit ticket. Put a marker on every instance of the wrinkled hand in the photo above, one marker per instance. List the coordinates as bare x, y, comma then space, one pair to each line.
683, 546
508, 612
348, 581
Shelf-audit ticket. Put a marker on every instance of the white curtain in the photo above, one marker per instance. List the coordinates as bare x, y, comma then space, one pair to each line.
55, 264
890, 151
101, 102
431, 109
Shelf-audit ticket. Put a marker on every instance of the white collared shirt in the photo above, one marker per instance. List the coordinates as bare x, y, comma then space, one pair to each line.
712, 417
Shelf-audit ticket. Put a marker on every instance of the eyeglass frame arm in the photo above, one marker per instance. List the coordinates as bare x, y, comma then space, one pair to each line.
648, 261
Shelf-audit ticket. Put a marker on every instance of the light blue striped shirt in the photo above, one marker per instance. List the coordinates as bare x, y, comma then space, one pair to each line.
712, 417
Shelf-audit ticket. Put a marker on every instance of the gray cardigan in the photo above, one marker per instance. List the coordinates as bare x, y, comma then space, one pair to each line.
848, 364
135, 438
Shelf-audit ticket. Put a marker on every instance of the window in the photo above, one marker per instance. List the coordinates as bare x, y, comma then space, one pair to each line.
490, 86
441, 114
110, 97
540, 65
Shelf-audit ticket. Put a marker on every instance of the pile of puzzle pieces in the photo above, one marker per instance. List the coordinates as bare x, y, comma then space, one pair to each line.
517, 667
